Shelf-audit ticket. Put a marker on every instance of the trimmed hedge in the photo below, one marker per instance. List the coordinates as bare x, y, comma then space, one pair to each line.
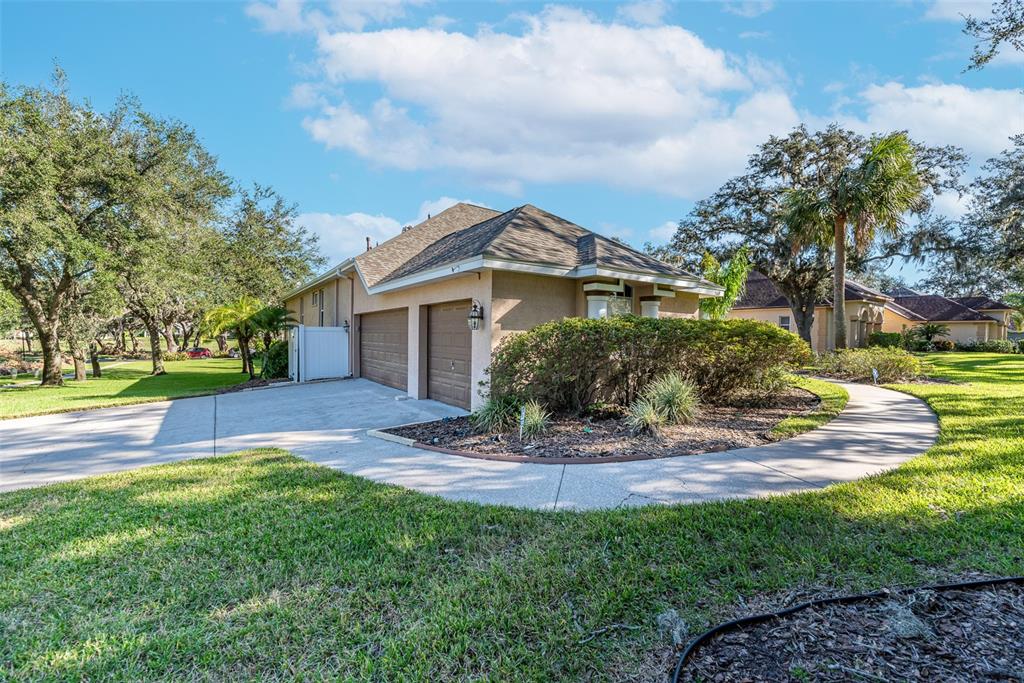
893, 365
990, 346
568, 365
892, 340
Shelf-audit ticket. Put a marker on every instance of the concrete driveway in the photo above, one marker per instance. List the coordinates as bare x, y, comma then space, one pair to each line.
327, 423
316, 421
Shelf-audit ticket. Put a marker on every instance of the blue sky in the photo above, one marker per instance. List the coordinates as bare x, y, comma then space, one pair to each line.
617, 116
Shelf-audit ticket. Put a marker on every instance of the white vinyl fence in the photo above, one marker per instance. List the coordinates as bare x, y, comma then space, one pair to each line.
317, 353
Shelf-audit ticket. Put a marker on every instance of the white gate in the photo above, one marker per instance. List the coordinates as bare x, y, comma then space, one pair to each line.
317, 353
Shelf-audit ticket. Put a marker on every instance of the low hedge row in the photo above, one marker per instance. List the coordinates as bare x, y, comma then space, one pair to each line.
569, 364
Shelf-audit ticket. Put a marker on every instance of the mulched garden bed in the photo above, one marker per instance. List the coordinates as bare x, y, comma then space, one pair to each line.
717, 428
972, 634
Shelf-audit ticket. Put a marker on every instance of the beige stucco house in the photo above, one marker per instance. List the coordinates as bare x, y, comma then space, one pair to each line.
425, 309
865, 309
969, 319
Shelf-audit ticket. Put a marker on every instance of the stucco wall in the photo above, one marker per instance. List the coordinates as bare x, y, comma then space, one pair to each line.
821, 328
959, 332
682, 305
337, 306
520, 301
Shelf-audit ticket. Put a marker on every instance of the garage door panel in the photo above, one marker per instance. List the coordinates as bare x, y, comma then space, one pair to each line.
448, 354
384, 347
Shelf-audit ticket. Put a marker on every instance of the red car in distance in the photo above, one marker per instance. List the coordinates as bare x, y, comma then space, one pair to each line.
199, 352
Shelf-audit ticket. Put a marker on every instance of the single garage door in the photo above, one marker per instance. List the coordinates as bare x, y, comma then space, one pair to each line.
384, 347
448, 354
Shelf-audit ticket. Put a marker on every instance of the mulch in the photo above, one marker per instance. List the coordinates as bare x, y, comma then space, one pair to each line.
717, 428
972, 634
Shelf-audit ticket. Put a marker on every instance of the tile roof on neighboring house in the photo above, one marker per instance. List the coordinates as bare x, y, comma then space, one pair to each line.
378, 263
902, 291
762, 293
531, 235
937, 308
982, 303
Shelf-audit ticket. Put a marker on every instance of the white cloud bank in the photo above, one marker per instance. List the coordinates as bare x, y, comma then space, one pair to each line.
645, 106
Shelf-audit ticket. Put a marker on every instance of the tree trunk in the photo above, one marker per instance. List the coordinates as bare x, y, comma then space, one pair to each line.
168, 333
53, 375
78, 356
839, 277
222, 343
94, 359
154, 345
803, 316
135, 342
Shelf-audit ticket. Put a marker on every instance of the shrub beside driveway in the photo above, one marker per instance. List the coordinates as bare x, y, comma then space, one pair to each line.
262, 565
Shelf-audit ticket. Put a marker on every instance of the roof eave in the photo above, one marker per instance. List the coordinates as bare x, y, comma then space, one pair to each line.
329, 274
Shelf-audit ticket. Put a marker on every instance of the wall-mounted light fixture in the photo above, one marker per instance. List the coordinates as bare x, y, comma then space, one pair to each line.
476, 315
345, 326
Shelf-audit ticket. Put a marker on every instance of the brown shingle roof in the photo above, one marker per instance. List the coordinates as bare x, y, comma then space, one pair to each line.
530, 234
376, 264
982, 303
940, 309
762, 293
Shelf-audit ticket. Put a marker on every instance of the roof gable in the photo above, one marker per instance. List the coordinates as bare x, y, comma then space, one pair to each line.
378, 263
761, 292
935, 308
531, 235
982, 303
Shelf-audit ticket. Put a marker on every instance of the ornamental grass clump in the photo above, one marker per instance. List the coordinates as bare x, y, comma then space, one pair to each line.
668, 400
536, 419
497, 414
675, 397
645, 417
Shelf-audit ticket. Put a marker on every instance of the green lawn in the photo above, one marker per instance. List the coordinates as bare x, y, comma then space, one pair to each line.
833, 400
124, 384
262, 565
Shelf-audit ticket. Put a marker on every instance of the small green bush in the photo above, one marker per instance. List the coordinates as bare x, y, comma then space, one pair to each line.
645, 417
890, 340
674, 397
990, 346
943, 344
175, 355
277, 360
893, 365
535, 419
1020, 345
567, 365
497, 415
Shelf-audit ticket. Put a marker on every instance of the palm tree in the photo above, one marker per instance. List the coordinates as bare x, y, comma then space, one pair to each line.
929, 331
271, 322
872, 195
238, 318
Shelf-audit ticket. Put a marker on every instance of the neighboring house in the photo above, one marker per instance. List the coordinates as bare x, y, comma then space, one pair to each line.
426, 308
969, 318
763, 301
972, 318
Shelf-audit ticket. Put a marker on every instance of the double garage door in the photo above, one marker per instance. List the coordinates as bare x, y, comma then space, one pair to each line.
384, 351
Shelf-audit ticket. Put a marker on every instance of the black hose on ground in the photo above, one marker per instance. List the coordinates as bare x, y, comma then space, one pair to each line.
841, 600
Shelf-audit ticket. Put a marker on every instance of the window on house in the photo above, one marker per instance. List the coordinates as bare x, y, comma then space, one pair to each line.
784, 322
621, 304
320, 298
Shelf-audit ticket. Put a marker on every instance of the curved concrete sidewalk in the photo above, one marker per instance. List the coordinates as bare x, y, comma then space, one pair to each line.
878, 430
327, 423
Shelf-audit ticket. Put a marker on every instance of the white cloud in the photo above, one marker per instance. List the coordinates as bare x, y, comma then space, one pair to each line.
956, 10
979, 120
664, 232
293, 16
754, 35
344, 235
748, 8
644, 107
643, 12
